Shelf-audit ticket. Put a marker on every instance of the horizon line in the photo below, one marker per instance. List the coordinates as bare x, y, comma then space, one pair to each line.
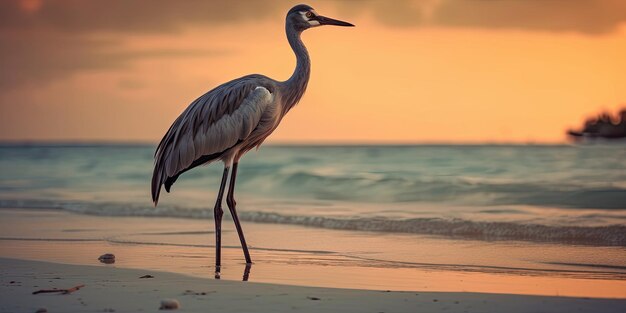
96, 142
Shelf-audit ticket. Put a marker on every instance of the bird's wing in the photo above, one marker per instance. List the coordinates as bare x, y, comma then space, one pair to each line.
212, 124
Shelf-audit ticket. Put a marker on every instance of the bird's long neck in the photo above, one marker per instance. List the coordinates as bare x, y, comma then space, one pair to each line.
294, 87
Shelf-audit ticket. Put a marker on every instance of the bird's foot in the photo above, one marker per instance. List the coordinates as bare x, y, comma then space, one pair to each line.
218, 274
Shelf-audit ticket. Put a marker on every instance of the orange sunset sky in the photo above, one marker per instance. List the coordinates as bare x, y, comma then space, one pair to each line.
411, 71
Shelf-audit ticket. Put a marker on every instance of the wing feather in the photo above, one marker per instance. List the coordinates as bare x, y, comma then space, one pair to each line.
212, 124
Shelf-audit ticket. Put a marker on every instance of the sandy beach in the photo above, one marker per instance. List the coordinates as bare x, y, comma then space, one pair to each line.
112, 289
62, 251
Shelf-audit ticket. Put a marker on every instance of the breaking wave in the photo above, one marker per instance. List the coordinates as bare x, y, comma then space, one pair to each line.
609, 235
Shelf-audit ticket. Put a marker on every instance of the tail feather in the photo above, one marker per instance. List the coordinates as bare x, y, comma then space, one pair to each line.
160, 177
170, 181
156, 184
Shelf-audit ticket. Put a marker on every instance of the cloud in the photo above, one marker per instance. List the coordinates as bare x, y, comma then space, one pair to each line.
41, 41
589, 17
132, 15
39, 58
582, 16
45, 40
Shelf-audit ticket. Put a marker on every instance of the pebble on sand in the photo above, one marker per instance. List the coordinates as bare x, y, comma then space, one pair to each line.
107, 258
169, 304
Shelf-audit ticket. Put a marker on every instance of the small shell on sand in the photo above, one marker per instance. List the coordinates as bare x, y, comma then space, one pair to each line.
107, 258
169, 304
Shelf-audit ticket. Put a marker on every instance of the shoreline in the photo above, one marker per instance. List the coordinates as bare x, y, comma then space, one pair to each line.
458, 228
113, 289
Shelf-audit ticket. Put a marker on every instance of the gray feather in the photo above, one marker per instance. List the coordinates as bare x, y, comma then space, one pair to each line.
211, 124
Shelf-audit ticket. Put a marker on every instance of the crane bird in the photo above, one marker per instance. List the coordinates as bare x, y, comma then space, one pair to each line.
228, 121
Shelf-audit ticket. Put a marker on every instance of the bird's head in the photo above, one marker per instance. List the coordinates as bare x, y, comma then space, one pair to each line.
303, 17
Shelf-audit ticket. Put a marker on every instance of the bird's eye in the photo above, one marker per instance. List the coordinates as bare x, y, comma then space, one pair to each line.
309, 14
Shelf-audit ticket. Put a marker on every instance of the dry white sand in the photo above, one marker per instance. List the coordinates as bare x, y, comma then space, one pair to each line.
112, 289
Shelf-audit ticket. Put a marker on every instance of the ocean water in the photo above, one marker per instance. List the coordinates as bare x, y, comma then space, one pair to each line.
559, 194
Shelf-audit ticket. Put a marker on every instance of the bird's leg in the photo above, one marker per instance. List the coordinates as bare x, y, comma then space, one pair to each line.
218, 212
230, 201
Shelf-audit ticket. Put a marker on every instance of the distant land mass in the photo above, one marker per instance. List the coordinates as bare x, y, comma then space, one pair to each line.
602, 126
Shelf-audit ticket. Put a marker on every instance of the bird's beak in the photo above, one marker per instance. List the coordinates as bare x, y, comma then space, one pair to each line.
329, 21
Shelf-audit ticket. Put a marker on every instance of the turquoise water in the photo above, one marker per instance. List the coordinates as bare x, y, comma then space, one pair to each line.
562, 193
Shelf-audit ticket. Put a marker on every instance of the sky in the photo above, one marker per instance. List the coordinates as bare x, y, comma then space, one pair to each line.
430, 71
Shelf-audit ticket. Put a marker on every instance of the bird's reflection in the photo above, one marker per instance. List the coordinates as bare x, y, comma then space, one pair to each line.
246, 272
